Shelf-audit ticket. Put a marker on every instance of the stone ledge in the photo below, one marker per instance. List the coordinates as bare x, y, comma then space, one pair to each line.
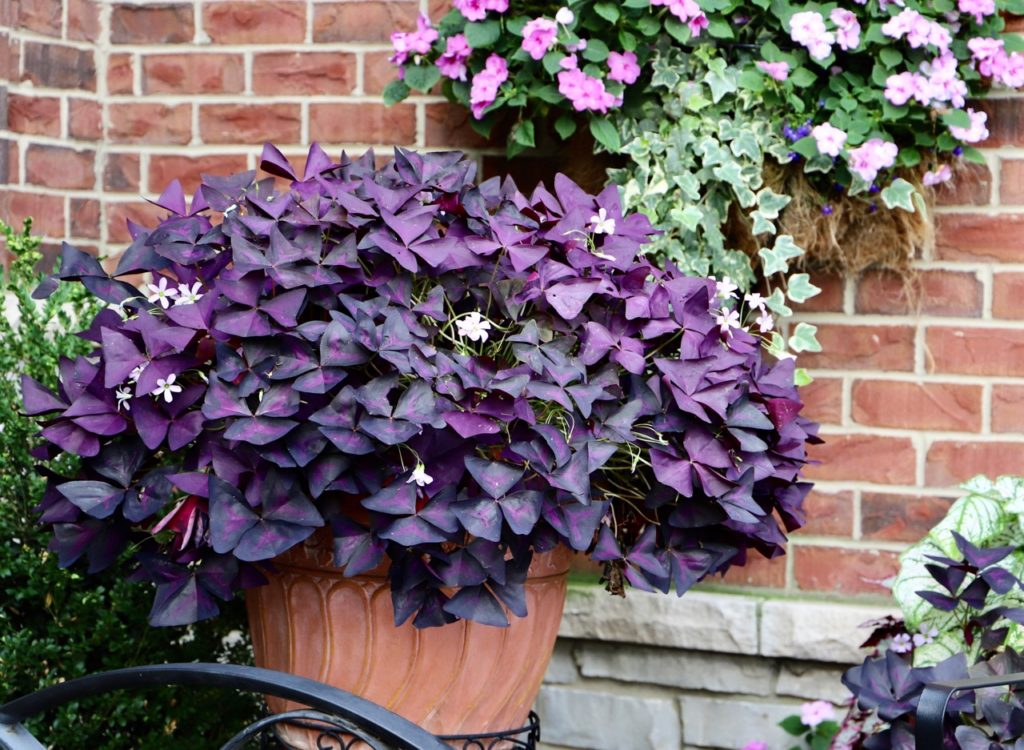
720, 622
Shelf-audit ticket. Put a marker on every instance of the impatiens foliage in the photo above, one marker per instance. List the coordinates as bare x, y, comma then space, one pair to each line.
444, 375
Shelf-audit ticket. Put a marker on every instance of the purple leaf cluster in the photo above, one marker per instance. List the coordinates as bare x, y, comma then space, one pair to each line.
446, 376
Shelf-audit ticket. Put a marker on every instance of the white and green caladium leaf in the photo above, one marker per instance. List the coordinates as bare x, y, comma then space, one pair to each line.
899, 194
804, 338
913, 577
776, 259
977, 518
799, 287
945, 645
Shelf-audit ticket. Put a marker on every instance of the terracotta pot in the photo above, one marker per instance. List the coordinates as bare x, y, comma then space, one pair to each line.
458, 679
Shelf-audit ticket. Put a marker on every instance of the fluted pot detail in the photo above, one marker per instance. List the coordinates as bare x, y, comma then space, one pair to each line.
462, 678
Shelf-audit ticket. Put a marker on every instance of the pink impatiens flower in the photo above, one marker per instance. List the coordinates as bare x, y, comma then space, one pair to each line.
899, 88
977, 8
847, 28
697, 24
476, 10
937, 176
815, 712
585, 92
623, 67
807, 28
829, 139
870, 158
777, 70
452, 63
486, 83
413, 42
976, 132
538, 36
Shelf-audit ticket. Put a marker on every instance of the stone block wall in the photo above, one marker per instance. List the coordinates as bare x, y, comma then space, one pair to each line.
103, 102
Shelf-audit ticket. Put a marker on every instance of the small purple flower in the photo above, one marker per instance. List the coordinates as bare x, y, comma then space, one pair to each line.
901, 643
874, 188
872, 208
827, 210
958, 151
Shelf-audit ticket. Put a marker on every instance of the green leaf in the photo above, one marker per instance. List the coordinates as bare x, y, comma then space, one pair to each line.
523, 133
804, 338
627, 40
974, 155
678, 31
807, 147
565, 126
483, 127
422, 77
801, 377
606, 134
649, 26
802, 77
799, 288
956, 118
395, 92
720, 28
792, 725
776, 259
545, 92
482, 34
899, 194
596, 51
890, 56
752, 79
608, 11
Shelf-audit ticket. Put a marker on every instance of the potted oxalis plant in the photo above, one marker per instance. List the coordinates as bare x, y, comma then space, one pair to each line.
388, 400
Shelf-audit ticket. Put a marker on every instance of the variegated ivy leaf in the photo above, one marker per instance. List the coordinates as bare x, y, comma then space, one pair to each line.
800, 289
777, 345
804, 338
731, 174
776, 259
689, 218
771, 203
776, 302
819, 163
745, 144
745, 196
899, 194
762, 225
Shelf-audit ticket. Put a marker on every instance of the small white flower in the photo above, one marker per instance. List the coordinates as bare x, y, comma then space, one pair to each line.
925, 636
232, 639
900, 643
135, 374
727, 320
601, 223
124, 395
420, 476
565, 16
187, 295
725, 289
755, 300
473, 327
166, 388
161, 295
765, 322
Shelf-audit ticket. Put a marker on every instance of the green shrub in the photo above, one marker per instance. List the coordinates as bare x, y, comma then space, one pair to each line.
57, 624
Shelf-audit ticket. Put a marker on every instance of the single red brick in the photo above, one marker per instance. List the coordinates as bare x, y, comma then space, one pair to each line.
1005, 121
378, 71
1008, 295
448, 126
8, 162
46, 211
823, 400
171, 23
971, 186
900, 518
917, 406
143, 122
41, 16
864, 458
830, 298
979, 237
59, 66
362, 123
758, 571
1011, 181
85, 121
303, 73
120, 73
976, 351
843, 570
362, 20
1007, 408
250, 123
188, 169
85, 218
828, 514
59, 167
951, 462
35, 115
10, 54
83, 20
118, 214
193, 73
862, 347
255, 22
957, 293
121, 173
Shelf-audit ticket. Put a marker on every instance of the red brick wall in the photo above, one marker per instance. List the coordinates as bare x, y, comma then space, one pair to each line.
109, 100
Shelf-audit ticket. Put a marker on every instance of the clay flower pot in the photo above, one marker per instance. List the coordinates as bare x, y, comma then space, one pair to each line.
458, 679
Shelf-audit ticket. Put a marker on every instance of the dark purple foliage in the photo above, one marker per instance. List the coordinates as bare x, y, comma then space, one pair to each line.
448, 375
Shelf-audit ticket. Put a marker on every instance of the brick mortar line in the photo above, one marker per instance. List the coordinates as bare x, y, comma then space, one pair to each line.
842, 542
905, 321
989, 210
29, 35
986, 409
192, 48
932, 436
840, 485
234, 98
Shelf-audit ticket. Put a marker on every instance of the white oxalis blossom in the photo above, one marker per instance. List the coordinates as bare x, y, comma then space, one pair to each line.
124, 395
727, 320
602, 223
166, 387
189, 295
420, 476
160, 294
473, 326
